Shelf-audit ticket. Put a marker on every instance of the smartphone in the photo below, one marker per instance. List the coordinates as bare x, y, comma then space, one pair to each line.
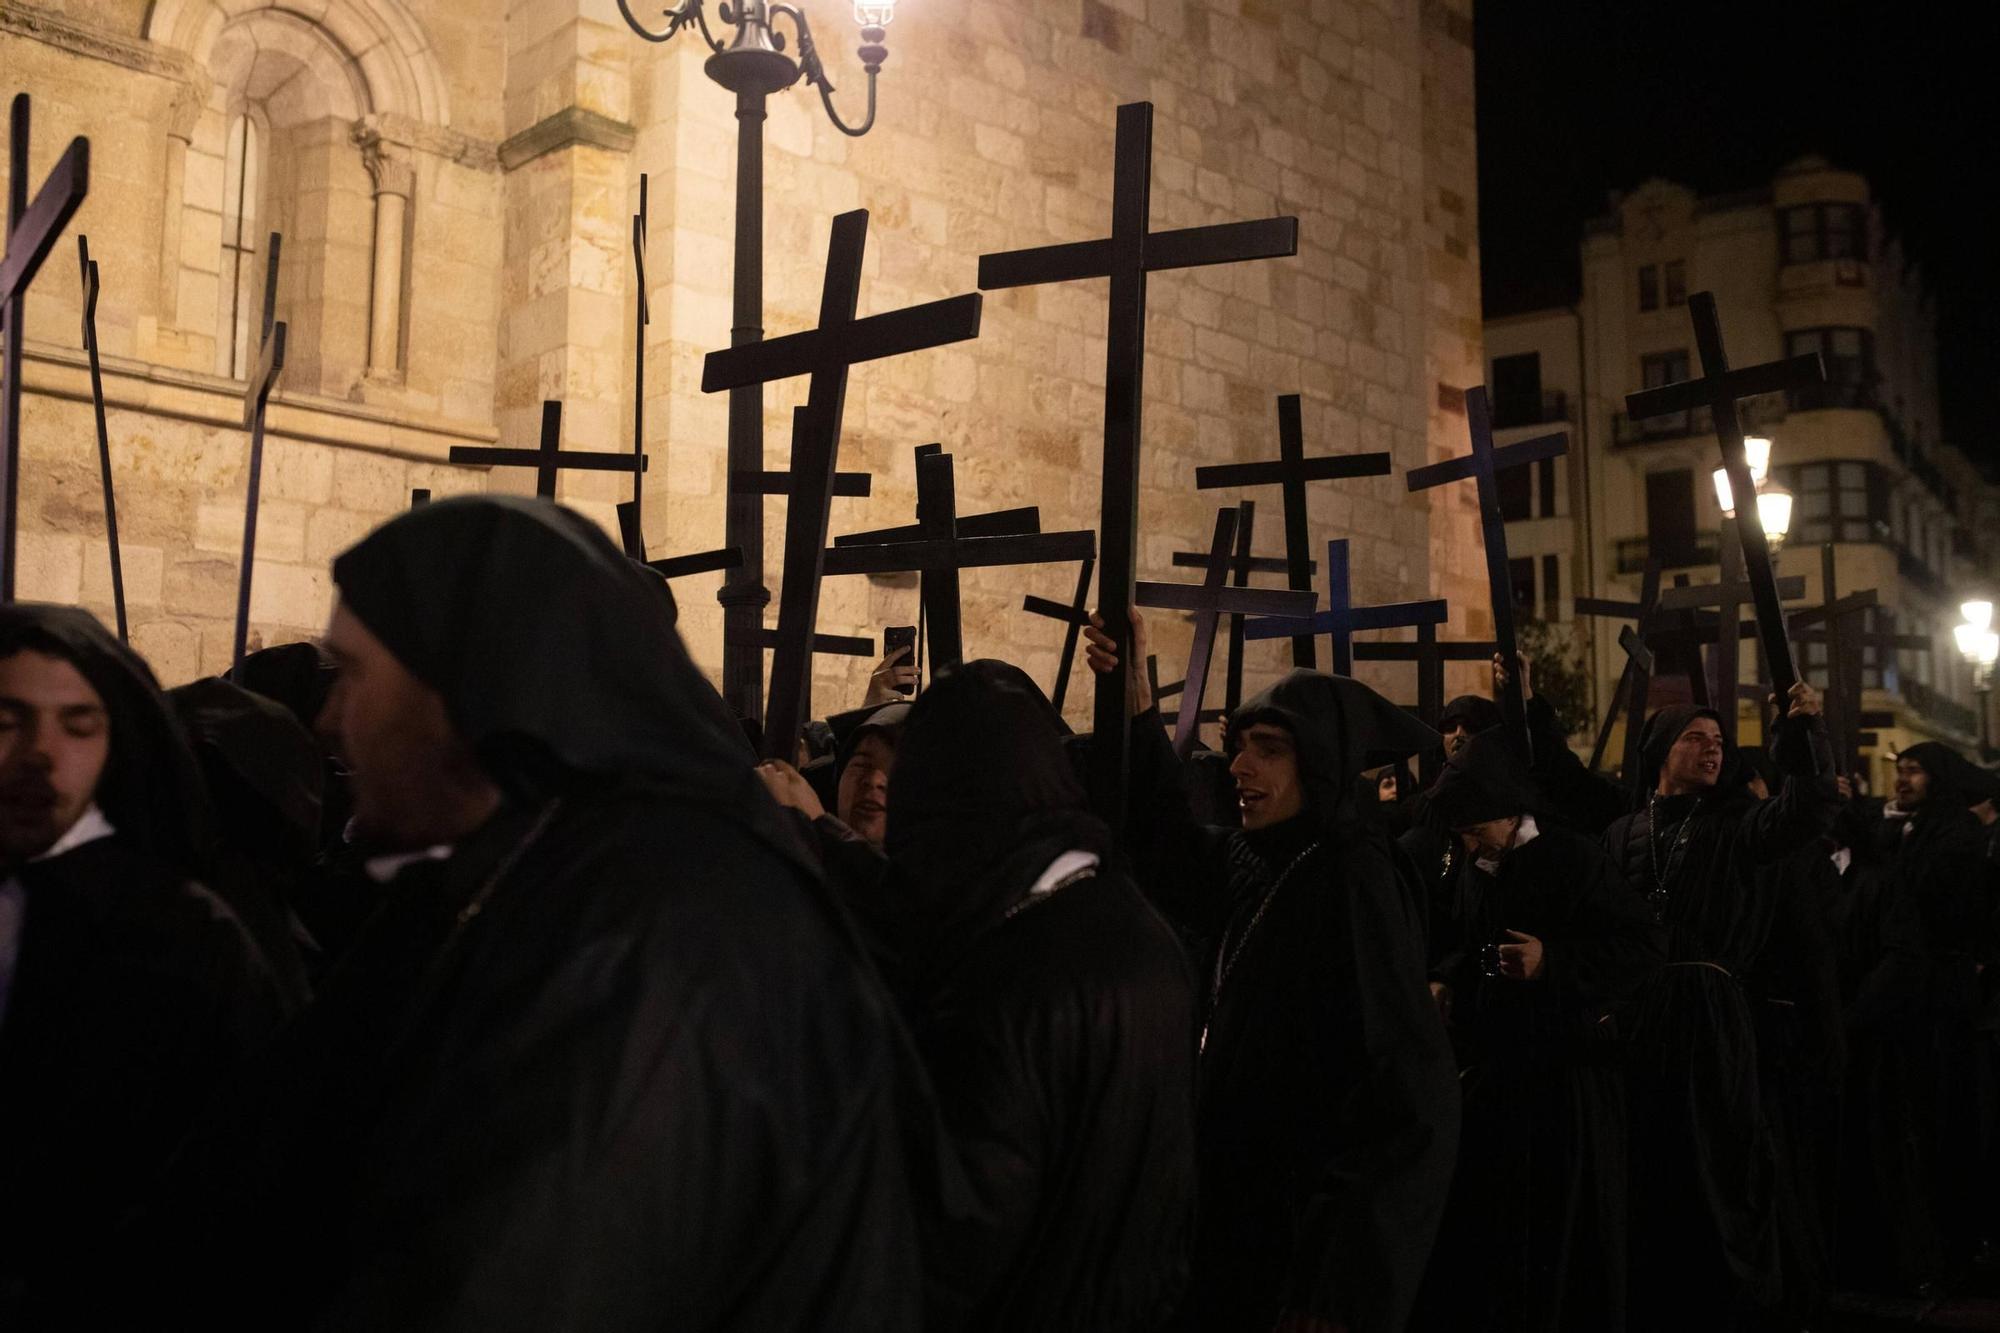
900, 636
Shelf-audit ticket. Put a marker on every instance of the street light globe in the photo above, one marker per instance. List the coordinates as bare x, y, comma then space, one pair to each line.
1723, 498
1757, 450
1989, 648
1774, 509
1977, 645
874, 13
1977, 612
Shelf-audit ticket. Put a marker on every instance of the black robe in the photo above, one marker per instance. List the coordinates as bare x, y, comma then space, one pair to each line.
615, 1064
1534, 1236
1328, 1104
1705, 1235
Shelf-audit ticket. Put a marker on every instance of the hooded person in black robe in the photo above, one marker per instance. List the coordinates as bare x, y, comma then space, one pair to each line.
1551, 943
1055, 1014
1705, 1245
608, 1058
1938, 877
1328, 1114
127, 990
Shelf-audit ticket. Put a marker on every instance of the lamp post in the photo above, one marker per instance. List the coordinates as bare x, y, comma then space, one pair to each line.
753, 64
1979, 645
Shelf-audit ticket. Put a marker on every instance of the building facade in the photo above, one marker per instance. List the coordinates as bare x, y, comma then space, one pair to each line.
1803, 266
455, 180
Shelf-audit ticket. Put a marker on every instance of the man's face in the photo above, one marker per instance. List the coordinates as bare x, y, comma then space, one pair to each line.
55, 740
1695, 760
1985, 811
862, 802
415, 782
1385, 786
1913, 784
1456, 734
1266, 769
1490, 838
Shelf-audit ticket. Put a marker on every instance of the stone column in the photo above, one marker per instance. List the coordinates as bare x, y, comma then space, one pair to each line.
190, 98
394, 174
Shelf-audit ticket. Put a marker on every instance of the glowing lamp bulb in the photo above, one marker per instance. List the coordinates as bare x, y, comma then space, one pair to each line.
1723, 498
1757, 451
1774, 509
874, 13
1978, 613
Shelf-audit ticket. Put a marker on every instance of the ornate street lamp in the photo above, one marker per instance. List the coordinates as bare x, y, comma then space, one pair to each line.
1979, 645
1774, 504
757, 61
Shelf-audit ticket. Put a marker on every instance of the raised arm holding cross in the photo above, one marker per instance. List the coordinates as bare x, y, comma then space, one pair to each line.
31, 234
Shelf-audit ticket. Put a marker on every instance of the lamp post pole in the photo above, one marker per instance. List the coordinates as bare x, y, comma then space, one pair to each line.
754, 64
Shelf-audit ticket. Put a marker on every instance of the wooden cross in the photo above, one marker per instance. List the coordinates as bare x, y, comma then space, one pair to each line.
31, 236
642, 319
846, 485
632, 537
943, 549
1727, 596
1209, 600
256, 401
1719, 389
1342, 618
1430, 654
1291, 471
90, 290
1160, 692
1073, 617
1636, 680
1484, 465
826, 354
551, 458
1840, 615
999, 523
1126, 256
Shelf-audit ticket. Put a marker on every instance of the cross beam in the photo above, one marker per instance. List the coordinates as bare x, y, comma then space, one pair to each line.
1429, 653
632, 537
550, 458
256, 402
32, 230
1073, 617
1291, 471
826, 354
1342, 618
1132, 251
88, 266
1483, 466
1720, 389
1636, 679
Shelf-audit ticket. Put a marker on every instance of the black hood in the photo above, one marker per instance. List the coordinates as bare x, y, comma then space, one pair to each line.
1476, 711
151, 790
1662, 730
885, 720
265, 772
1955, 780
557, 658
297, 675
983, 797
1339, 727
1484, 780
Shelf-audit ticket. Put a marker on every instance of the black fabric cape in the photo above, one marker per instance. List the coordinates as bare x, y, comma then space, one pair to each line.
1534, 1237
1056, 1029
1705, 1241
1329, 1110
617, 1063
135, 992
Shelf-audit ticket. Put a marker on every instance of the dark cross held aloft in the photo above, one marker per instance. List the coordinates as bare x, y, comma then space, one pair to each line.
1126, 256
256, 402
1241, 566
90, 290
1635, 682
1073, 617
31, 235
633, 538
641, 319
1342, 618
826, 354
1430, 654
550, 459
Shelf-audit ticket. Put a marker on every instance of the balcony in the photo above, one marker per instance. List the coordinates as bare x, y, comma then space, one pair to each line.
1832, 394
1695, 423
1552, 406
1633, 552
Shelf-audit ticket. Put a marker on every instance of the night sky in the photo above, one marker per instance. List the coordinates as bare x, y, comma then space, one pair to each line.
1580, 97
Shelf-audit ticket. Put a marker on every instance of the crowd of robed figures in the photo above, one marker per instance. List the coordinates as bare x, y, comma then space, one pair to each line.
464, 971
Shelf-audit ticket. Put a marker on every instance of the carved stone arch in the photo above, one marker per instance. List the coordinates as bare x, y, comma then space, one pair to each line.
382, 38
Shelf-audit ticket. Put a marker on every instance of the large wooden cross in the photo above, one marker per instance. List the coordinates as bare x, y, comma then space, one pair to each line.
1073, 617
31, 235
1342, 618
90, 290
1840, 617
1727, 596
943, 548
633, 538
642, 318
1291, 471
1126, 256
550, 459
1719, 389
1484, 465
826, 354
1430, 654
1636, 680
256, 402
1209, 600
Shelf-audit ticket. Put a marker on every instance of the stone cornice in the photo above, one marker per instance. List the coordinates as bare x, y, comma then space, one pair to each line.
95, 43
436, 140
567, 128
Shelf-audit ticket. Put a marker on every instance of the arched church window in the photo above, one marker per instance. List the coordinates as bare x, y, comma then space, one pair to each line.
240, 309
